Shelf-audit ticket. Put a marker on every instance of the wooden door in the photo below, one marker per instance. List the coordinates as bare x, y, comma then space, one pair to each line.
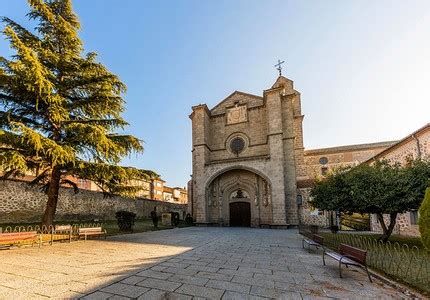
240, 214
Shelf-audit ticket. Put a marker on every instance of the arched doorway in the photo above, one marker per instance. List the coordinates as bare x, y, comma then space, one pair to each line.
239, 197
240, 214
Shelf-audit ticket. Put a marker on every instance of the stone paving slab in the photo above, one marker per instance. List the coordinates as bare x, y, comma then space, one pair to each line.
164, 285
188, 263
155, 294
229, 286
189, 279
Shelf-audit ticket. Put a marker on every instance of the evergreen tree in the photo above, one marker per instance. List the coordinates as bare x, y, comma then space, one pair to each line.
59, 109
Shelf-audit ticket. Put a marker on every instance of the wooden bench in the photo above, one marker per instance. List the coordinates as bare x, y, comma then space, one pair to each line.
349, 256
13, 238
316, 240
91, 231
63, 230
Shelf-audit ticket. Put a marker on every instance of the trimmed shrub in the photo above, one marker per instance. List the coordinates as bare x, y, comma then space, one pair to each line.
314, 229
175, 219
334, 228
424, 220
189, 220
125, 220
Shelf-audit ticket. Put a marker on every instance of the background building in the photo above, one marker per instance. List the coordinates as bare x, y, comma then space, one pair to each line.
157, 188
415, 145
319, 161
153, 189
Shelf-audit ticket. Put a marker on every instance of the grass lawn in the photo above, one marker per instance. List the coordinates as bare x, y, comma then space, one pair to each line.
141, 225
408, 240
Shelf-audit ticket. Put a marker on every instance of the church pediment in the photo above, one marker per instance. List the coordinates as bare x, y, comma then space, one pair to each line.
237, 99
286, 85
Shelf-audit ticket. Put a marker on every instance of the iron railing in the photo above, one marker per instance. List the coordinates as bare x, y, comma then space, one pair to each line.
404, 263
48, 233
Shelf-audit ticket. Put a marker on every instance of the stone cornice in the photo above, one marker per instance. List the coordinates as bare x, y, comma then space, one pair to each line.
236, 159
200, 106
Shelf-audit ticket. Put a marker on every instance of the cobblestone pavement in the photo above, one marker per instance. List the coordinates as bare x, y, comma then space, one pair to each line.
188, 263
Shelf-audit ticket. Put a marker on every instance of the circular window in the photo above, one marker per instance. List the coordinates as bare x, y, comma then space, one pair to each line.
237, 145
323, 160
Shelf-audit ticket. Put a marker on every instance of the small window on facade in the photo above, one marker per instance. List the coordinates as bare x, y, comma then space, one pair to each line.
324, 171
323, 160
413, 215
237, 145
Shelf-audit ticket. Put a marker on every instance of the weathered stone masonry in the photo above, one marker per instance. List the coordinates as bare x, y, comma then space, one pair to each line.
266, 168
20, 202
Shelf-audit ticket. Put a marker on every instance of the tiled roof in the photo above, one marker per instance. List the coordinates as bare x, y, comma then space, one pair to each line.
398, 143
349, 148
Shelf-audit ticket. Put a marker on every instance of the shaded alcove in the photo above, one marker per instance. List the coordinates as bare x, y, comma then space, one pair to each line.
245, 192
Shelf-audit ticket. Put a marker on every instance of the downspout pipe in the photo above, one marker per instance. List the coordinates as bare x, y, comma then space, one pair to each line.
418, 145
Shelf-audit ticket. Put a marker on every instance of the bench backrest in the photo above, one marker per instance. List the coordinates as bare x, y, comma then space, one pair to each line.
356, 254
63, 228
92, 229
317, 238
16, 236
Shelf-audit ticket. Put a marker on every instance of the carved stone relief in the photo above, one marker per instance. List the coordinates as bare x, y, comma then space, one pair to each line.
236, 114
266, 196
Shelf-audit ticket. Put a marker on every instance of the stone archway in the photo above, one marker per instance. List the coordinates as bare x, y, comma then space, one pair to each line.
251, 193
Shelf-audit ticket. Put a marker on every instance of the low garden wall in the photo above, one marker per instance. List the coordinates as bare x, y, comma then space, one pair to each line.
21, 203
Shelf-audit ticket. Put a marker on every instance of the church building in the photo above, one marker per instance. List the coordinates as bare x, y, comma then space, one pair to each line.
250, 167
248, 159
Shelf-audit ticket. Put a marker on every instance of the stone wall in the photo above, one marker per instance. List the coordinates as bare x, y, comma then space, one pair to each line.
21, 203
310, 216
412, 147
403, 225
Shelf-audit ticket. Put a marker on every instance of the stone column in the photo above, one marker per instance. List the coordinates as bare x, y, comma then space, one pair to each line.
200, 136
276, 152
289, 159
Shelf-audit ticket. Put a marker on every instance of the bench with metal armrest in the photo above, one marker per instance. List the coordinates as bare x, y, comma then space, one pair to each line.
349, 256
91, 231
316, 241
62, 232
16, 238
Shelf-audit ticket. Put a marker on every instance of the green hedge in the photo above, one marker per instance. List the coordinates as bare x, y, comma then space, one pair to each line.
424, 221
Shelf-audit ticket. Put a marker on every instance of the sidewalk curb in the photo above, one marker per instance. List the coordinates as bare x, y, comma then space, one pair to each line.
398, 286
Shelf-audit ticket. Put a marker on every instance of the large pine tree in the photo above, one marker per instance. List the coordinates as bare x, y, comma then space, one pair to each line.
59, 108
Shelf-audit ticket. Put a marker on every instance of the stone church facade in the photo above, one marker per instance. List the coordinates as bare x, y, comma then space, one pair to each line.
250, 167
248, 157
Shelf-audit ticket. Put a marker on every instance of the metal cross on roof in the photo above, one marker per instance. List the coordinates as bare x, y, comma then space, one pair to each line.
279, 67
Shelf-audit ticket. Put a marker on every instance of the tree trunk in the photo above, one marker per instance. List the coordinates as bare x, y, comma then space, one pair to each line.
51, 205
386, 231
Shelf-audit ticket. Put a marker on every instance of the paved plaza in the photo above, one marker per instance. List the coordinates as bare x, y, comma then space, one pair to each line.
215, 263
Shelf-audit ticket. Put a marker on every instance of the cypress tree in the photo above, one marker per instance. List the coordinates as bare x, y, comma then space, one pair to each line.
59, 109
424, 221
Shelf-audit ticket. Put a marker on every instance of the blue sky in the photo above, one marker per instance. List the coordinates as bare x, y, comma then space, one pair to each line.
362, 67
